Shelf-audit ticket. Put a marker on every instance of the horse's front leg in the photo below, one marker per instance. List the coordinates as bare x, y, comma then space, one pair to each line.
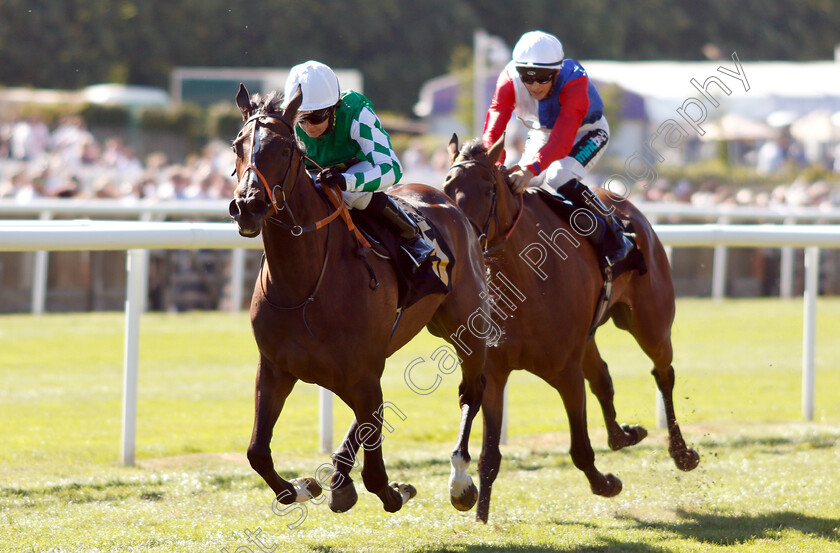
462, 491
492, 407
569, 382
272, 389
597, 373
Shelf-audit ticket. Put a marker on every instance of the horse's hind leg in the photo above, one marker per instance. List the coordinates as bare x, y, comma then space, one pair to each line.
272, 389
569, 383
598, 375
342, 491
653, 334
492, 408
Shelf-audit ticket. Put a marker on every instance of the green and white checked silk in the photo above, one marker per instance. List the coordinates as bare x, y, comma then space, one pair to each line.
375, 145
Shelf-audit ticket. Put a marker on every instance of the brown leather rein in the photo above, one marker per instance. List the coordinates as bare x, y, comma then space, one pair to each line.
333, 193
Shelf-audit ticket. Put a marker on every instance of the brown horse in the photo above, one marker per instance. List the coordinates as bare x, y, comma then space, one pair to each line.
316, 316
547, 309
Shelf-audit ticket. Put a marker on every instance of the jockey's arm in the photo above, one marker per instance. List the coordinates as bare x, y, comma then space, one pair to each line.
375, 144
499, 113
574, 99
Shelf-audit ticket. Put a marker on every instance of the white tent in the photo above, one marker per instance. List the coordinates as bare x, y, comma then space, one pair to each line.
733, 126
817, 126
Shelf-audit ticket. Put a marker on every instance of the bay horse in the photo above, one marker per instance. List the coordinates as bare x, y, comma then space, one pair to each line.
551, 332
318, 317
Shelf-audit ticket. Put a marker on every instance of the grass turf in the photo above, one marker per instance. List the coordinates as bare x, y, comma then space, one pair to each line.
765, 482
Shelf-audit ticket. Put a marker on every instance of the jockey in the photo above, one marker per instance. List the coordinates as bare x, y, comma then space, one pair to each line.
567, 130
343, 135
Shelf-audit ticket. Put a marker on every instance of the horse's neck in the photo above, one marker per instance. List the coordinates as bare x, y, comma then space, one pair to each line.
294, 263
507, 208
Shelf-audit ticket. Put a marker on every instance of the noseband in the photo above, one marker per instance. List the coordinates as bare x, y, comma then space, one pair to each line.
493, 214
255, 148
334, 195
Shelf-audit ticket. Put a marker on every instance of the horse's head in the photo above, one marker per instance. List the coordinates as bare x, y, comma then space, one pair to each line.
474, 181
268, 158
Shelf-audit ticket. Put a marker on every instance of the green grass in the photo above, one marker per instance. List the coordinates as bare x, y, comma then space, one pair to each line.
766, 482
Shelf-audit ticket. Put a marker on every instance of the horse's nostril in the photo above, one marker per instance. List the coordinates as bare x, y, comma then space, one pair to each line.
233, 208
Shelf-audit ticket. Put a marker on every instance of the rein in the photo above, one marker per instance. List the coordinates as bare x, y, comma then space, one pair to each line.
493, 214
296, 229
333, 195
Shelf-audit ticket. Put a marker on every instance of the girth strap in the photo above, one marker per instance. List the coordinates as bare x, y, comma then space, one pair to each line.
603, 301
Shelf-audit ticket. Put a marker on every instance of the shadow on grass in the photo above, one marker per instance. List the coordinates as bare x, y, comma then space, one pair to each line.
733, 530
775, 444
608, 546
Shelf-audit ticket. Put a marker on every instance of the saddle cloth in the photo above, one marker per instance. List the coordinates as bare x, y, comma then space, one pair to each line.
432, 277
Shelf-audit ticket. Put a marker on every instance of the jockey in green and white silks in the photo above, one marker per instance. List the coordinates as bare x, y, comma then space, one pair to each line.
343, 135
356, 134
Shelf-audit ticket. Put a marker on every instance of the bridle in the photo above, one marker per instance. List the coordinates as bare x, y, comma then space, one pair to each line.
280, 189
493, 213
333, 194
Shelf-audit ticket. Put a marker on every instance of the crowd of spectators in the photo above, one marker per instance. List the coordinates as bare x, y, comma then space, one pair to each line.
800, 193
70, 162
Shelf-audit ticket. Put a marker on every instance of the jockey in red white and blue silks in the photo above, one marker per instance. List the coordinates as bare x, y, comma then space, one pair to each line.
567, 130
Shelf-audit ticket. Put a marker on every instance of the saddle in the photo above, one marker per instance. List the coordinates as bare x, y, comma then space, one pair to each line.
432, 277
564, 209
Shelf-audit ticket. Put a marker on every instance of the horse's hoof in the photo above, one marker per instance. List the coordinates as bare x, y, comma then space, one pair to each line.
406, 491
686, 459
611, 487
343, 499
306, 488
392, 500
466, 499
629, 435
636, 432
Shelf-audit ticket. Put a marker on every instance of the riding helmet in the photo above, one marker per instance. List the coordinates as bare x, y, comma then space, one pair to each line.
538, 49
318, 83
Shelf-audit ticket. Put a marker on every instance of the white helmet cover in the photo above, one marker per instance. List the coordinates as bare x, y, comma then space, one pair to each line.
538, 49
317, 82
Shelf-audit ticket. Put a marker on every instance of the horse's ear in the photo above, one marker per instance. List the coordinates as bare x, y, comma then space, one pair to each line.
293, 105
496, 149
243, 101
452, 148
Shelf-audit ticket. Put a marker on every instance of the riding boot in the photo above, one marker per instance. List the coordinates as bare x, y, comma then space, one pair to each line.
609, 239
413, 244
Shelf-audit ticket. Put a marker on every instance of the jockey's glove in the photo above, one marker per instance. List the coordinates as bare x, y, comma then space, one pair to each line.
332, 177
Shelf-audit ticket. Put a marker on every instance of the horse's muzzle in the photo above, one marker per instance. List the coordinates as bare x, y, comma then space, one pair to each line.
249, 215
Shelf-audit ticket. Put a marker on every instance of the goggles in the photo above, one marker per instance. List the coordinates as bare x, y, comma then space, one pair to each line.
317, 117
531, 75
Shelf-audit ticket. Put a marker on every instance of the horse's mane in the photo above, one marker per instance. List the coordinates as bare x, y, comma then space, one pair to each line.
473, 149
270, 103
